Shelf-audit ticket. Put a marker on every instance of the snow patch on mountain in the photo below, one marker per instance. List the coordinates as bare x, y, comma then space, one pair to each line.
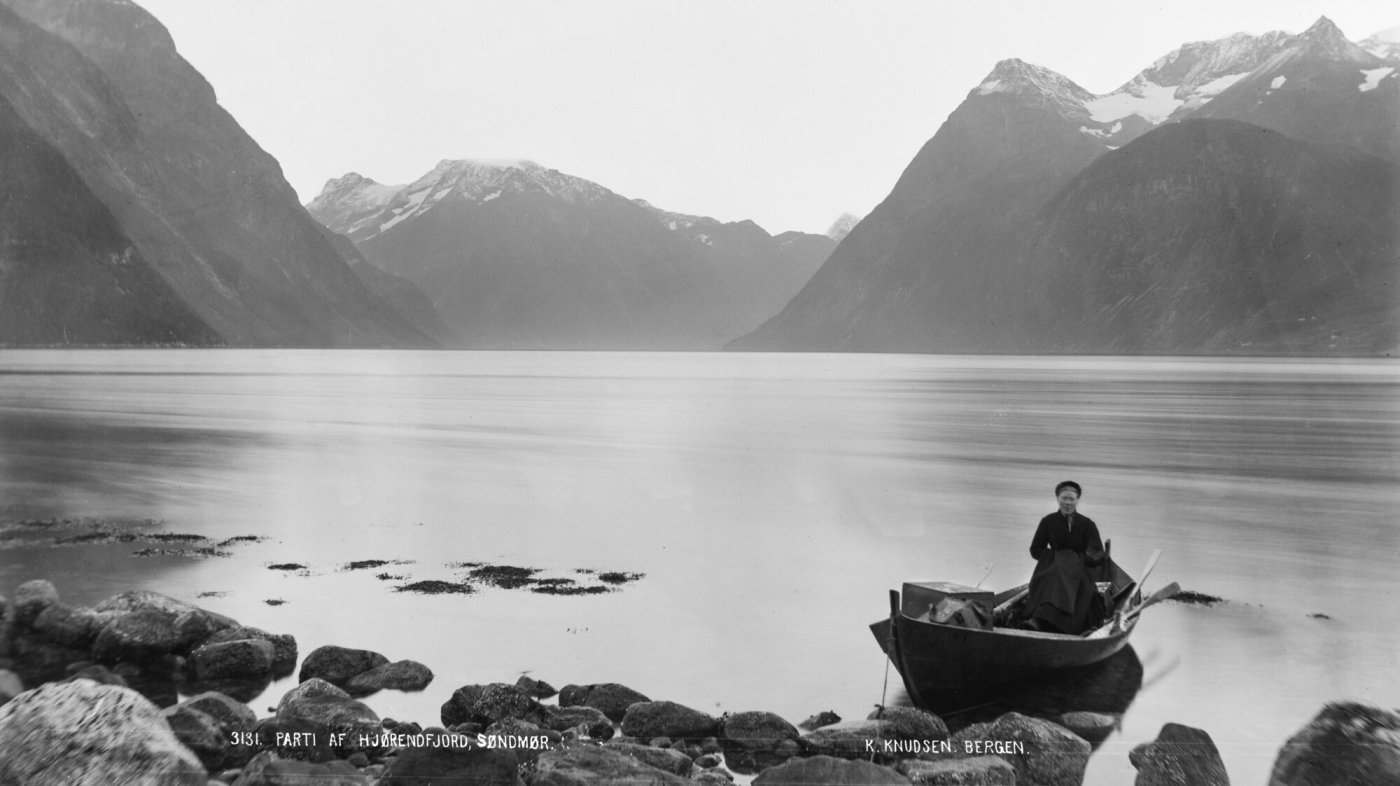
1041, 85
1385, 44
1374, 76
842, 226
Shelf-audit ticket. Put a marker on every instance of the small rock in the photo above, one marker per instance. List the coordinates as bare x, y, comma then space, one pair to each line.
824, 718
613, 699
667, 719
31, 598
232, 715
753, 741
707, 761
1346, 743
536, 688
112, 735
337, 665
10, 685
821, 770
1092, 726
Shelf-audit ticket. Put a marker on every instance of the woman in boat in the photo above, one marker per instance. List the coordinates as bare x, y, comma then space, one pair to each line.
1068, 550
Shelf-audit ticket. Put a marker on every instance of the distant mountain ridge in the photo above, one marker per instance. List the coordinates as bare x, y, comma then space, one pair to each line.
968, 252
516, 255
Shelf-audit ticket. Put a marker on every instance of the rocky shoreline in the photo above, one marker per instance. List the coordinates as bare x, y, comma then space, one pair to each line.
93, 695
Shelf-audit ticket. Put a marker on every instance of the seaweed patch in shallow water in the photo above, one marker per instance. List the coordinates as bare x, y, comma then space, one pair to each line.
435, 587
1196, 598
618, 577
205, 551
287, 566
504, 576
570, 589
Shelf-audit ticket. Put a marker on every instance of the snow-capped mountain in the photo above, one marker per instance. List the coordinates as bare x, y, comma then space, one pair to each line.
1385, 44
517, 255
842, 226
962, 253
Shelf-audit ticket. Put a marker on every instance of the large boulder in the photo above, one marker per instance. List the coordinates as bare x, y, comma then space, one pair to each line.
38, 660
667, 759
230, 660
465, 765
70, 626
231, 714
1042, 752
824, 770
613, 699
320, 710
199, 732
109, 735
848, 739
139, 636
407, 675
590, 765
191, 624
1180, 756
753, 741
648, 719
269, 769
487, 704
1345, 743
337, 665
1092, 726
976, 771
589, 721
284, 647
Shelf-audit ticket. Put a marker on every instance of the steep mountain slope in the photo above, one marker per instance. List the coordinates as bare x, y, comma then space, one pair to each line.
203, 205
1220, 237
927, 269
68, 273
515, 255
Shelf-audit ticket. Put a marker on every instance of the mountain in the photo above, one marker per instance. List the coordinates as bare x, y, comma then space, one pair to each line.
69, 274
516, 255
842, 226
927, 270
204, 209
965, 252
1221, 237
1385, 44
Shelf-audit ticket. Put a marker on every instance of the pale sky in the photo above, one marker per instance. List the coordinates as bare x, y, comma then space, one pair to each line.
787, 112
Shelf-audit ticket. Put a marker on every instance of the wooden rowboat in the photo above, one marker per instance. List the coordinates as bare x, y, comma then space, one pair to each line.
943, 663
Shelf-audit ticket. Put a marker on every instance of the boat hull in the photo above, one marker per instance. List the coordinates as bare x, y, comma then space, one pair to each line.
939, 660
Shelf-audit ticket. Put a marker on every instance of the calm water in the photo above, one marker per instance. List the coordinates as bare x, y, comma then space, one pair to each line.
770, 501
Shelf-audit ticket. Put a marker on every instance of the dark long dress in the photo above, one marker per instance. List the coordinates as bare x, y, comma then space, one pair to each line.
1068, 552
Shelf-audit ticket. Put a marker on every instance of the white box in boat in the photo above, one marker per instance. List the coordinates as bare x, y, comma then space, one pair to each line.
920, 597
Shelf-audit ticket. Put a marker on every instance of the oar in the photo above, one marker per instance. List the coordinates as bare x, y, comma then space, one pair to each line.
1165, 593
985, 575
1142, 577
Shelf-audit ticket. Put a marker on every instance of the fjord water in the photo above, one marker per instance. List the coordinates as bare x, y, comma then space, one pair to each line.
770, 501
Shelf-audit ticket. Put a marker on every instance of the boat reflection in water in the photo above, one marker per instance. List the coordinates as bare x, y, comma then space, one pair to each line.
1106, 688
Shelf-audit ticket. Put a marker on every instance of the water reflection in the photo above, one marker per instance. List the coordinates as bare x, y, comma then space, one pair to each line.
1104, 688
